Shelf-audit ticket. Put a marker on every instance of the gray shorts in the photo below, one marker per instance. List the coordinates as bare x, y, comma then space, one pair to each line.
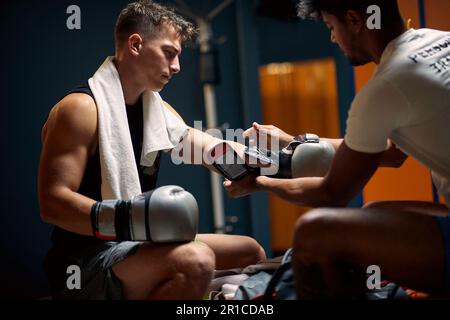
98, 281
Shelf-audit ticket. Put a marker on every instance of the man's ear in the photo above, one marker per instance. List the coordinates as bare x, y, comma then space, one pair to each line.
135, 43
355, 20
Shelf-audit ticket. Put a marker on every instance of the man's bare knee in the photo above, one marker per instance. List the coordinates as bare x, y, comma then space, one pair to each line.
167, 272
311, 230
190, 271
198, 265
261, 253
312, 222
254, 252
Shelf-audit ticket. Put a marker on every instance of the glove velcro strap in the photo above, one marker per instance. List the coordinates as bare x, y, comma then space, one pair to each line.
94, 218
307, 138
284, 166
103, 220
139, 217
122, 221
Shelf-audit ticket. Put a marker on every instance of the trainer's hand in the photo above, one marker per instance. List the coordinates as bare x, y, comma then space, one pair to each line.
257, 130
248, 185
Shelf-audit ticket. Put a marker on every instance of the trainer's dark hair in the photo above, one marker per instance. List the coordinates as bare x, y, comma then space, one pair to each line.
146, 17
312, 8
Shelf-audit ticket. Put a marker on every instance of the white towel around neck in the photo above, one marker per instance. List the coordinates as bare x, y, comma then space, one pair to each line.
162, 132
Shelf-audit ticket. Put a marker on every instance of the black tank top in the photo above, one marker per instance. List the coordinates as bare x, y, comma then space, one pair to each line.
91, 182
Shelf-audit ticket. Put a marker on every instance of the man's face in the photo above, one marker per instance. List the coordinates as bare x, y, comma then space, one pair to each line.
159, 58
344, 33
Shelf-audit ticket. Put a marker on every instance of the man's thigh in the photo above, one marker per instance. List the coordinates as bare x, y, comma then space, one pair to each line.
97, 280
422, 207
408, 247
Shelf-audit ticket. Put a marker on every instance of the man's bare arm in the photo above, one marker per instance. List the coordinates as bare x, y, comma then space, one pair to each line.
392, 157
199, 143
348, 175
69, 138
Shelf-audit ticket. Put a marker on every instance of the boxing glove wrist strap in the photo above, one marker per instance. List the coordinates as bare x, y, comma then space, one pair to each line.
104, 219
301, 139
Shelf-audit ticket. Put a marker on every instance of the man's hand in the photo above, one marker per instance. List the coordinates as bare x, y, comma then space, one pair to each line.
268, 132
247, 185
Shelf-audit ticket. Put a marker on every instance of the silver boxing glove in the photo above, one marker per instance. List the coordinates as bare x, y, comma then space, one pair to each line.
165, 215
312, 159
306, 156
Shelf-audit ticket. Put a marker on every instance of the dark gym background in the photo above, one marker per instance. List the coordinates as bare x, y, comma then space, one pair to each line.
41, 60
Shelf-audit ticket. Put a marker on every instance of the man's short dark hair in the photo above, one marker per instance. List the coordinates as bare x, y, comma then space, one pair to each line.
146, 17
313, 8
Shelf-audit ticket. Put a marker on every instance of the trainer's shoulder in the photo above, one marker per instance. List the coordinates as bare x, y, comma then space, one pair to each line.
433, 32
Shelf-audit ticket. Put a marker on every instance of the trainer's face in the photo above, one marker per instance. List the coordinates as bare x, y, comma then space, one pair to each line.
159, 58
346, 33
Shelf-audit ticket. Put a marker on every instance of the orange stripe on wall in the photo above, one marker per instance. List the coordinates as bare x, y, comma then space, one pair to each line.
411, 182
298, 97
437, 14
410, 10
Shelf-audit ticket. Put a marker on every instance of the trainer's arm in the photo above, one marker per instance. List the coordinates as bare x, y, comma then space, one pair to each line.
392, 157
68, 138
349, 173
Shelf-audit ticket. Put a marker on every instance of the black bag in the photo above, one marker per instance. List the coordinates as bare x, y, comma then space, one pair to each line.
269, 285
280, 285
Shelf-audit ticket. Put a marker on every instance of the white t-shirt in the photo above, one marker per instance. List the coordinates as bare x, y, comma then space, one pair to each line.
408, 101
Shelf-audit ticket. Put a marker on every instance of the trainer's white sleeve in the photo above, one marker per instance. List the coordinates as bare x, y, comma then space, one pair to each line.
378, 110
